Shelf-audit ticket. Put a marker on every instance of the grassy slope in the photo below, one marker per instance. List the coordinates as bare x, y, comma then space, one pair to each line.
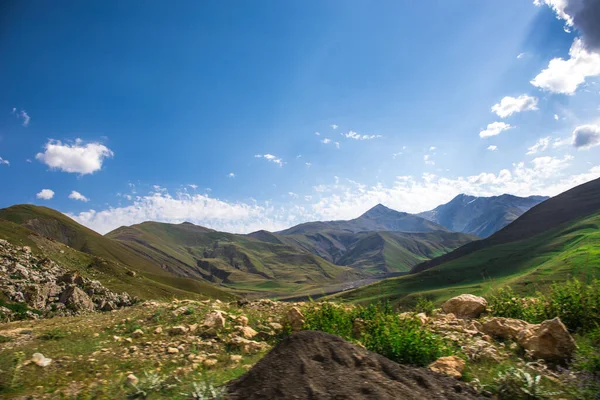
376, 252
572, 249
113, 275
30, 221
237, 261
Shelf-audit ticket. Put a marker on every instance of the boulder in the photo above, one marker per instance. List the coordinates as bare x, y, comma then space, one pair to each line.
76, 299
178, 330
550, 341
504, 328
465, 306
246, 331
452, 366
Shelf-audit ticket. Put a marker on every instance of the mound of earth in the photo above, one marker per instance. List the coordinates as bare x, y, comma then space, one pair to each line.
318, 366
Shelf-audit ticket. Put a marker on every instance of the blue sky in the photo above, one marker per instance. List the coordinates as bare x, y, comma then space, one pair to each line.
209, 112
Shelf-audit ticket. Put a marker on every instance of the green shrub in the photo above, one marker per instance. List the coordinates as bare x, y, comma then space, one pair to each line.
575, 303
53, 334
587, 357
379, 329
516, 384
424, 305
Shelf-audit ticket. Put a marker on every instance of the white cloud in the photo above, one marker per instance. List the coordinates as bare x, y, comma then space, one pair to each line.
556, 117
565, 76
492, 148
521, 55
271, 158
128, 197
356, 136
541, 145
22, 115
394, 155
231, 175
341, 200
293, 195
308, 165
586, 136
326, 141
432, 148
318, 133
495, 128
510, 105
428, 160
77, 196
75, 158
334, 126
28, 160
193, 186
4, 162
299, 156
45, 194
337, 145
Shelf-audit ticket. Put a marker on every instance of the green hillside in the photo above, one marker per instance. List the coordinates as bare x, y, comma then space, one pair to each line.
238, 262
111, 274
374, 253
528, 265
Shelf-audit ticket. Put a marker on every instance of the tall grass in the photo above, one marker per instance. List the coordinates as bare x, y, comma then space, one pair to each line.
379, 328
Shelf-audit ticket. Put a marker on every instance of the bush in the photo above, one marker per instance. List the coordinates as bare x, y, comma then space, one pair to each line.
575, 303
424, 305
53, 334
518, 384
379, 329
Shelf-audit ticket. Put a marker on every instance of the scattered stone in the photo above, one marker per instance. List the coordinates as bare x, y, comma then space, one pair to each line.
504, 328
452, 366
276, 326
236, 358
40, 360
172, 350
295, 319
132, 380
178, 330
137, 333
131, 273
246, 331
158, 330
210, 362
465, 306
214, 321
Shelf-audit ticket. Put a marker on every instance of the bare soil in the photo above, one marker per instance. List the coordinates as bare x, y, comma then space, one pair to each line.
317, 366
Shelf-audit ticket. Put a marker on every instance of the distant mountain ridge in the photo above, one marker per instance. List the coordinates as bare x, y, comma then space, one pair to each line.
481, 216
378, 218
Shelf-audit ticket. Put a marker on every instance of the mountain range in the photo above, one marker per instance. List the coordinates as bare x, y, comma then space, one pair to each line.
480, 216
184, 259
553, 241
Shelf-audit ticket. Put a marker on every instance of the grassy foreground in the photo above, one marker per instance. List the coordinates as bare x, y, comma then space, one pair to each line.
95, 355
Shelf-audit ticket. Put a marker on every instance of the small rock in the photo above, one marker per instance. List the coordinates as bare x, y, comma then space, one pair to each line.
132, 380
40, 360
158, 330
137, 333
452, 366
172, 350
504, 328
210, 362
178, 330
236, 358
247, 332
295, 318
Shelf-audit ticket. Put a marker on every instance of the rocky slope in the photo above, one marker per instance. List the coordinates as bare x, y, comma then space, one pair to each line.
481, 216
31, 287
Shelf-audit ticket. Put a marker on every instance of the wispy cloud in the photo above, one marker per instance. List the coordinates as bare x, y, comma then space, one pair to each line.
521, 55
540, 146
492, 147
356, 136
78, 157
494, 129
318, 133
78, 196
334, 126
270, 158
231, 175
22, 115
4, 162
326, 141
428, 160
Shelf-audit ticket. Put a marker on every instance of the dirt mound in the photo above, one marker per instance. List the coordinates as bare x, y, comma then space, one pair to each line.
318, 366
